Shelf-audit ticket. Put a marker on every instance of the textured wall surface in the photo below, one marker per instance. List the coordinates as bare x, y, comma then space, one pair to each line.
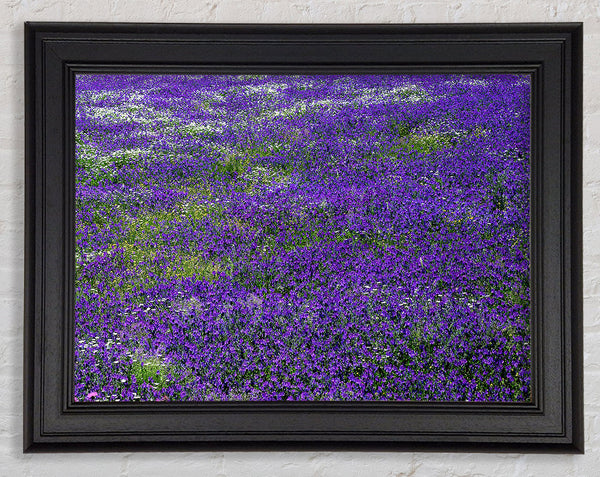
13, 463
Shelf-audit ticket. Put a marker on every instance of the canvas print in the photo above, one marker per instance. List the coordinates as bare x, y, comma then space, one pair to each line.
302, 238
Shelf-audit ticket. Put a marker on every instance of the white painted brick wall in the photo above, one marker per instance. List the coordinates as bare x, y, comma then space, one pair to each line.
224, 464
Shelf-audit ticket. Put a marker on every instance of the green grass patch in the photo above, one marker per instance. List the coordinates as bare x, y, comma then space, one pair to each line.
232, 166
427, 144
423, 144
101, 167
151, 370
148, 257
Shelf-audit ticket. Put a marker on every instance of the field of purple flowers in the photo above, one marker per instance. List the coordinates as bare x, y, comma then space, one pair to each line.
302, 238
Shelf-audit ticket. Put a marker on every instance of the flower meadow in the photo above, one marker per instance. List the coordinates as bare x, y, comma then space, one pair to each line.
302, 237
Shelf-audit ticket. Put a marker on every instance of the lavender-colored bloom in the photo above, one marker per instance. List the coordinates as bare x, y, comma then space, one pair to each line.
324, 237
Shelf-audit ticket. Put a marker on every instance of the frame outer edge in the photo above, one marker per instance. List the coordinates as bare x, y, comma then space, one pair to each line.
29, 239
35, 32
576, 251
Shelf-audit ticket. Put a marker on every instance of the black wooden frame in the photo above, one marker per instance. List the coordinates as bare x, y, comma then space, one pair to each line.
551, 53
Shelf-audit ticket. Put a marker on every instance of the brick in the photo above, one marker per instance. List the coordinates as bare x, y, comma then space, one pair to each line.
286, 464
591, 312
591, 165
187, 464
591, 92
473, 11
430, 12
12, 167
11, 48
591, 45
11, 198
591, 129
73, 465
379, 12
232, 11
331, 12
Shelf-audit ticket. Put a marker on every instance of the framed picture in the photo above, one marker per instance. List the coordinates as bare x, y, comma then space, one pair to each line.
293, 236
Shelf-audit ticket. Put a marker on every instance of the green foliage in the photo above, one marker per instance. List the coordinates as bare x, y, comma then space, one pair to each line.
231, 166
516, 297
152, 371
124, 157
427, 144
399, 128
102, 167
100, 219
497, 191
